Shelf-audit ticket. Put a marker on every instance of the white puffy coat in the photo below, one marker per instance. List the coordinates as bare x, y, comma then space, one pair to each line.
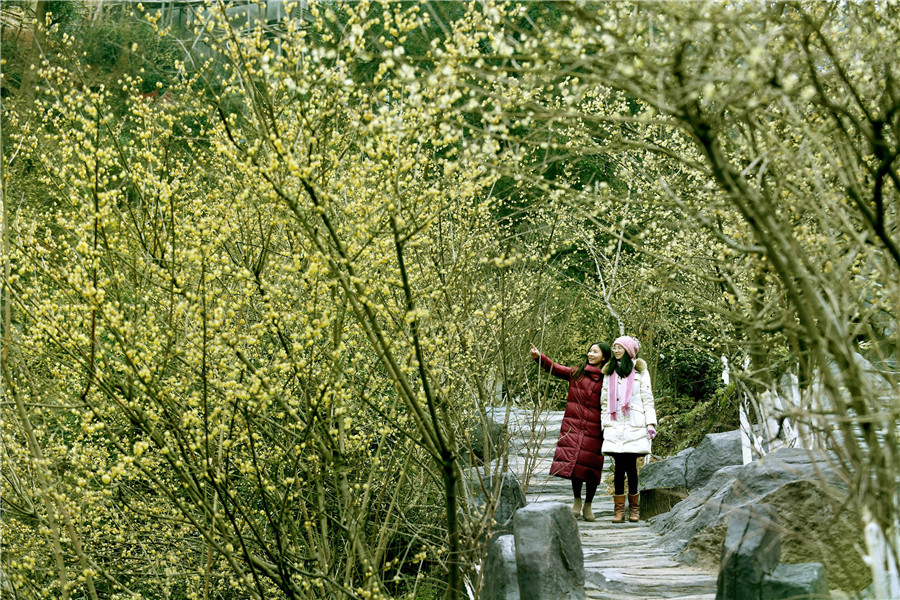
628, 433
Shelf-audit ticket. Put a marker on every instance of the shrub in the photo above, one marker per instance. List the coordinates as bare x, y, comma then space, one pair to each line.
688, 372
683, 422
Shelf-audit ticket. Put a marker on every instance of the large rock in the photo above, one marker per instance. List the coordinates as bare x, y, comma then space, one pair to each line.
750, 567
668, 474
663, 484
717, 450
499, 575
500, 493
750, 551
488, 440
817, 522
795, 582
660, 500
549, 558
692, 517
666, 483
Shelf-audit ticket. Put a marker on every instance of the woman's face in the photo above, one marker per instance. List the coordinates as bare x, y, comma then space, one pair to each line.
619, 351
595, 355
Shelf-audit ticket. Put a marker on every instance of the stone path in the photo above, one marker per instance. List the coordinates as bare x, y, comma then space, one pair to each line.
621, 560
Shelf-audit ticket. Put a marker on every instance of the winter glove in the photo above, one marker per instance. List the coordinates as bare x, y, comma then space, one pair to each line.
651, 431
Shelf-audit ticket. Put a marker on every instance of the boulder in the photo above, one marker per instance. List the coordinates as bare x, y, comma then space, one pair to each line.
663, 484
549, 558
717, 450
505, 494
693, 516
499, 580
795, 582
750, 551
750, 567
668, 473
660, 500
667, 482
488, 440
818, 524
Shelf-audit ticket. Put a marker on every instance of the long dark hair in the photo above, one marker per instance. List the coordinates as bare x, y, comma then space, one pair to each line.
623, 367
605, 350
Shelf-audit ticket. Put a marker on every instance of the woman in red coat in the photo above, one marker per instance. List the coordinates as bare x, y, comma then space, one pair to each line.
578, 452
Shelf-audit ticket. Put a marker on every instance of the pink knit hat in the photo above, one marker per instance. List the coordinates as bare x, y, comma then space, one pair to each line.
630, 344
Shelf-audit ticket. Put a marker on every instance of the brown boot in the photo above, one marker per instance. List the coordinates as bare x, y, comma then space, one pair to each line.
634, 507
618, 508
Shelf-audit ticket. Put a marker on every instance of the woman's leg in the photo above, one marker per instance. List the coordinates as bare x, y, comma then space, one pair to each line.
589, 491
619, 487
576, 491
586, 511
576, 487
619, 474
630, 468
634, 499
626, 466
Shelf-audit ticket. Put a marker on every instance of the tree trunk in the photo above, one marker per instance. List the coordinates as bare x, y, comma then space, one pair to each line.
35, 54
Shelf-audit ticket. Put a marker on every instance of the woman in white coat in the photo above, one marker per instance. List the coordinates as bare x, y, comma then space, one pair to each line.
629, 421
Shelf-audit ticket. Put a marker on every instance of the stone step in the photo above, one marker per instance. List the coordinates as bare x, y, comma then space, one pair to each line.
637, 560
644, 583
598, 594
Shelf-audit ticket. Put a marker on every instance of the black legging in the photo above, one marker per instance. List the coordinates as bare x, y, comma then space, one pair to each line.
589, 491
626, 464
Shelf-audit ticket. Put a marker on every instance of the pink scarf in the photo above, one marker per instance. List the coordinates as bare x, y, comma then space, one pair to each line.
613, 393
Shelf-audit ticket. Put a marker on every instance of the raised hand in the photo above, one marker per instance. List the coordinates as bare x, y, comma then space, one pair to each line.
535, 353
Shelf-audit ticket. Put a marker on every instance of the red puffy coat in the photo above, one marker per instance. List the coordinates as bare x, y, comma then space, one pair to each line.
578, 451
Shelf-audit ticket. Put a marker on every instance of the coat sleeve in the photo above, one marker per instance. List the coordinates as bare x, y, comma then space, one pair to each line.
555, 369
647, 400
